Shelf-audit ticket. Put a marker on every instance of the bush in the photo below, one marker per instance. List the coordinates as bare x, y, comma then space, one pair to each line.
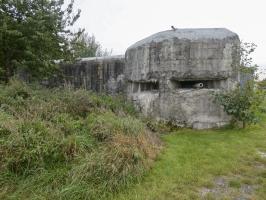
96, 143
243, 103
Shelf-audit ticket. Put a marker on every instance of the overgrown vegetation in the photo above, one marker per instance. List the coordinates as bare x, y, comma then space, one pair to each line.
207, 165
36, 33
262, 84
66, 144
33, 34
87, 46
244, 102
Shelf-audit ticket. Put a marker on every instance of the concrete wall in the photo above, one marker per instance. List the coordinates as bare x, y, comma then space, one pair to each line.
164, 69
99, 74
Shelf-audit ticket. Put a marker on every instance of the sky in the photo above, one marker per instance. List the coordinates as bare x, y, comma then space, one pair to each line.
117, 24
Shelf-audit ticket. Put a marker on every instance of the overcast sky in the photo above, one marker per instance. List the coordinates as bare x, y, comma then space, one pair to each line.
117, 24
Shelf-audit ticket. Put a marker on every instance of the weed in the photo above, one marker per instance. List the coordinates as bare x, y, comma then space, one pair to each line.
69, 144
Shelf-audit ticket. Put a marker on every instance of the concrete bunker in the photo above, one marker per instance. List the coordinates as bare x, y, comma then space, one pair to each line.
170, 75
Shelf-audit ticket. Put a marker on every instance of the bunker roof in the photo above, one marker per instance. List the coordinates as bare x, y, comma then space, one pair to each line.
188, 33
116, 57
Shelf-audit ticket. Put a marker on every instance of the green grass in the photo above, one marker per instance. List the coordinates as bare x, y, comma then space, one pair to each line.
69, 144
192, 160
65, 144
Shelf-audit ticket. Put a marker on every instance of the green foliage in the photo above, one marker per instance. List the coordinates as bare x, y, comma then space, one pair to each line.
160, 126
87, 46
108, 124
72, 144
262, 84
246, 65
245, 50
243, 103
193, 161
34, 33
127, 152
32, 147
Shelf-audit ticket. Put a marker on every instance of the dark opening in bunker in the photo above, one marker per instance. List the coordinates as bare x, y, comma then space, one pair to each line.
149, 86
195, 84
145, 86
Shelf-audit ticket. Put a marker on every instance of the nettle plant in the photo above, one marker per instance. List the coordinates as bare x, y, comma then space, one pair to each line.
244, 103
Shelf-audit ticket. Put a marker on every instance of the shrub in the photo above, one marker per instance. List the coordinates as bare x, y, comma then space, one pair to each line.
243, 103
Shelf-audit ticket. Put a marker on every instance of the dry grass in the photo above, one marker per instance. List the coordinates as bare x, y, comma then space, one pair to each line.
66, 144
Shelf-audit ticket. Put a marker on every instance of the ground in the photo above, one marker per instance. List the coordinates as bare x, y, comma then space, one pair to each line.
214, 164
65, 144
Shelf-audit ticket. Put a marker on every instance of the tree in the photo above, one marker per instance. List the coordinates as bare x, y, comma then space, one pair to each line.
262, 84
244, 102
87, 46
33, 34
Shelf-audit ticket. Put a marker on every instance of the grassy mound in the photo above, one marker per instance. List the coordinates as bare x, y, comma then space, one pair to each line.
66, 144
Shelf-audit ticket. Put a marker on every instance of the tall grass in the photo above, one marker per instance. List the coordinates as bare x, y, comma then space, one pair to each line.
69, 144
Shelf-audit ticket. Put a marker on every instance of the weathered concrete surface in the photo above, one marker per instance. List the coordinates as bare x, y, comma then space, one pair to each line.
163, 69
169, 75
99, 74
